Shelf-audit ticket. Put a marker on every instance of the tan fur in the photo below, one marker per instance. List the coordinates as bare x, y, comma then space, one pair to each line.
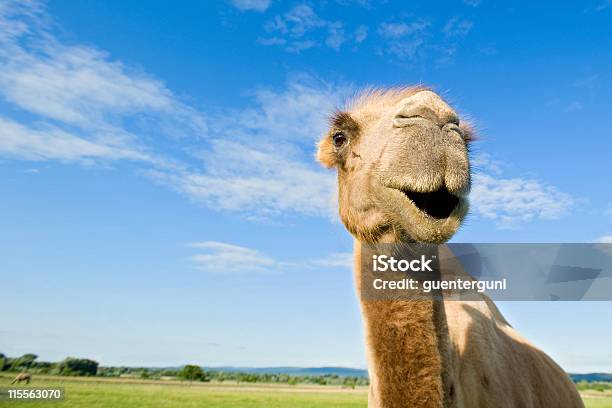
427, 353
22, 377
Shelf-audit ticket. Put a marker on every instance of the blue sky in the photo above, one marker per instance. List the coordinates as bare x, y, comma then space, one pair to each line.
159, 202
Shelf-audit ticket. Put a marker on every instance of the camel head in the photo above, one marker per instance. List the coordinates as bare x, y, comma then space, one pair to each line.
403, 167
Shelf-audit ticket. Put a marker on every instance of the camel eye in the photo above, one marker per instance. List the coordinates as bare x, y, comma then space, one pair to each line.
339, 139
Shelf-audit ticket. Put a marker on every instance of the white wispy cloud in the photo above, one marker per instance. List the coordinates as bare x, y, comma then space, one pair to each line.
362, 3
262, 164
336, 36
220, 257
272, 41
274, 113
606, 4
419, 39
605, 239
80, 99
255, 5
404, 39
473, 3
513, 201
486, 163
297, 21
361, 33
398, 30
80, 86
52, 143
255, 182
457, 27
335, 260
87, 108
301, 28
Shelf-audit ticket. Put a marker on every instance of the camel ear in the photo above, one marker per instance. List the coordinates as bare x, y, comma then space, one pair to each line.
326, 154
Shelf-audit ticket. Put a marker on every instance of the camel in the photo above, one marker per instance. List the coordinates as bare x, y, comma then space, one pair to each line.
22, 377
403, 171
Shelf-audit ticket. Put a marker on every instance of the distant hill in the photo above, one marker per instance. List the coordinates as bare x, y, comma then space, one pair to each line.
590, 377
357, 372
304, 371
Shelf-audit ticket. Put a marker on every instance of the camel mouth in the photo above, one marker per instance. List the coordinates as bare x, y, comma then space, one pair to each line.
438, 204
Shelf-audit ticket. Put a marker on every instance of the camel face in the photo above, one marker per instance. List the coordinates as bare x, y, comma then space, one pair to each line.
403, 167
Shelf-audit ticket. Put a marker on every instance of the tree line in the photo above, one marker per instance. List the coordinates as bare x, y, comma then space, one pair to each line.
71, 366
85, 367
594, 385
68, 366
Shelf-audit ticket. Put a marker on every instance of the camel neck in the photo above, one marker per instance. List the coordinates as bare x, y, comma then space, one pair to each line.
407, 345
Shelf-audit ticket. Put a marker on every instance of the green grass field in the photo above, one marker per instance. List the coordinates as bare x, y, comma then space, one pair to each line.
111, 393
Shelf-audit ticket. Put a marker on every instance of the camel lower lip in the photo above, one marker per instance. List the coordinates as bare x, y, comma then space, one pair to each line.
437, 204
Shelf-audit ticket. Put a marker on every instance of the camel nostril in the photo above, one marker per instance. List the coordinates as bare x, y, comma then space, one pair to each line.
451, 126
454, 127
